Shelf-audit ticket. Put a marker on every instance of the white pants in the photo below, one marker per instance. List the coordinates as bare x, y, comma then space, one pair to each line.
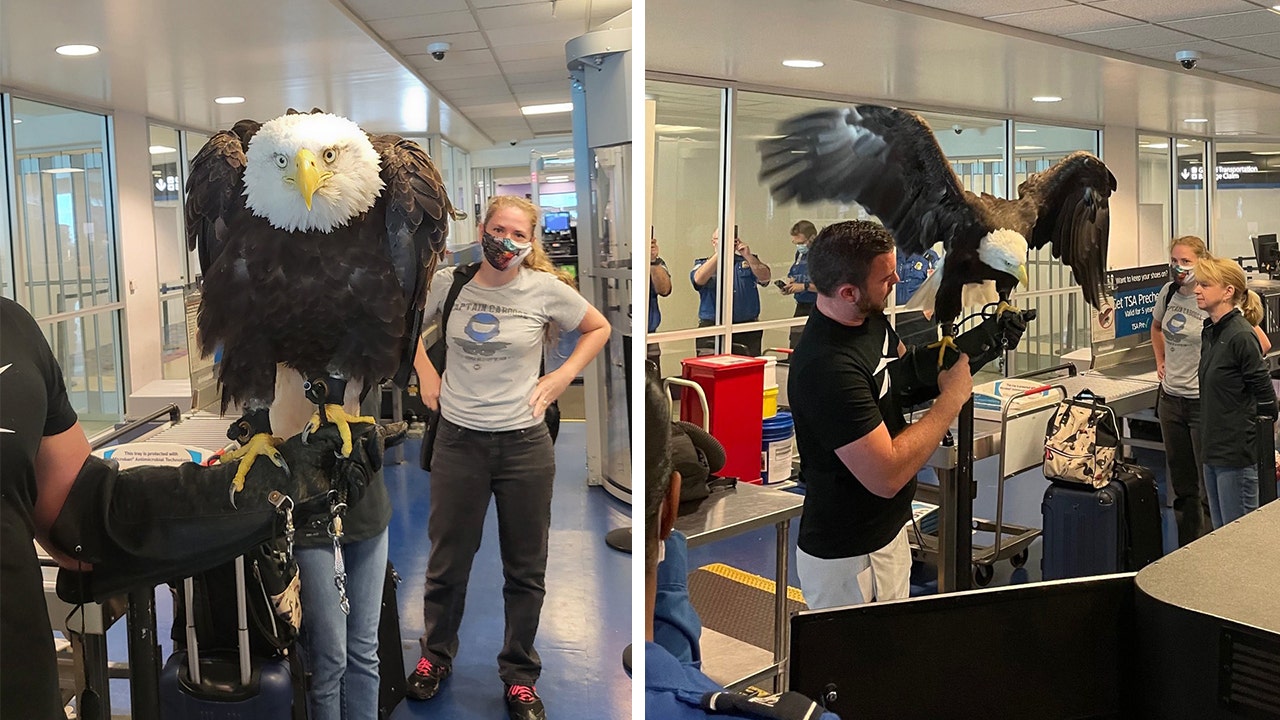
881, 575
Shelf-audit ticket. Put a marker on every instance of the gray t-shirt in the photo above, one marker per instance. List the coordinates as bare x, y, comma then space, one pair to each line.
1181, 322
494, 345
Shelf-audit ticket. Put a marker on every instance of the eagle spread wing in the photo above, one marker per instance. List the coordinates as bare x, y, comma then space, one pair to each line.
1070, 203
417, 221
886, 160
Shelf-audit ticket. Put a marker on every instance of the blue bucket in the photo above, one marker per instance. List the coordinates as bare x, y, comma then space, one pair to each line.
776, 447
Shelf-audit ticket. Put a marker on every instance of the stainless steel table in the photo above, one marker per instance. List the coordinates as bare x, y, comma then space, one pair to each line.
742, 509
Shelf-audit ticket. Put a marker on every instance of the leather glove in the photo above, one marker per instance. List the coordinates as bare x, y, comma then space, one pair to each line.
993, 336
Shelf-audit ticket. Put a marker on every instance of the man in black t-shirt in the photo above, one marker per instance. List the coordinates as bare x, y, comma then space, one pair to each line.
858, 457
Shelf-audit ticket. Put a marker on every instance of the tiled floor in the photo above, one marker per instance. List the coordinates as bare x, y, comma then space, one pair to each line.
586, 619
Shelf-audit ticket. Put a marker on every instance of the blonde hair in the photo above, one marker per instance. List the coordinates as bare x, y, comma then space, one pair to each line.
537, 259
1227, 273
1192, 243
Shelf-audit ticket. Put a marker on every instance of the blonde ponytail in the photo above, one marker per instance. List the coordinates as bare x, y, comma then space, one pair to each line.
1251, 308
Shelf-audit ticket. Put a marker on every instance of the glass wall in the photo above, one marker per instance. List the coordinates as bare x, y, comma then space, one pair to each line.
167, 184
1246, 195
1192, 206
1155, 197
63, 250
685, 147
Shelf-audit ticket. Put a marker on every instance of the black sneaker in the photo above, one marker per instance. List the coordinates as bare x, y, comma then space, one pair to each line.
523, 703
426, 680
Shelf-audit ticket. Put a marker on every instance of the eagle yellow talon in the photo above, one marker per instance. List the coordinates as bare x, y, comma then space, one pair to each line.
340, 417
1006, 306
247, 454
946, 342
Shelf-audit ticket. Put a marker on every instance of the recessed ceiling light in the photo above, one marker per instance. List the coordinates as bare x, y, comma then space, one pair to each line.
808, 64
229, 100
1028, 147
62, 171
161, 149
76, 50
547, 109
1196, 121
1026, 129
1157, 146
1046, 98
556, 178
17, 121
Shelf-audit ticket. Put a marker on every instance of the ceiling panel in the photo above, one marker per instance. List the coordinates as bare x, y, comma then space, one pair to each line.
433, 69
457, 42
1268, 75
386, 9
1208, 48
1131, 37
1268, 44
531, 34
1252, 61
1229, 26
530, 51
533, 14
497, 3
422, 25
985, 8
1065, 20
1164, 10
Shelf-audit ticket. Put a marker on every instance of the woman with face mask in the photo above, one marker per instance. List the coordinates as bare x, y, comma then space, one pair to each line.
493, 441
1176, 323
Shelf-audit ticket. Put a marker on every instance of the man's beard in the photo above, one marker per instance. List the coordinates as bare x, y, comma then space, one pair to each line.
868, 307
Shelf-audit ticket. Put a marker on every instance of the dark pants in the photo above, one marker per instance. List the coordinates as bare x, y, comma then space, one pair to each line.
518, 468
802, 310
1180, 428
749, 341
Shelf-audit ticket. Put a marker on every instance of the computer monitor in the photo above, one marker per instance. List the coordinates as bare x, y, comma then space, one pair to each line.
555, 222
1267, 250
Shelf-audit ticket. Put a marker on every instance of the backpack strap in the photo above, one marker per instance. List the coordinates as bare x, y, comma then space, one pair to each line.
461, 276
1168, 297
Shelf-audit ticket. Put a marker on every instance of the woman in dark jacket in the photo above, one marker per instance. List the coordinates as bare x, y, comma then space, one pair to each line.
1235, 390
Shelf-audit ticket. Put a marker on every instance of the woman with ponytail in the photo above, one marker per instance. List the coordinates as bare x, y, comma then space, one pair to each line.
493, 441
1235, 389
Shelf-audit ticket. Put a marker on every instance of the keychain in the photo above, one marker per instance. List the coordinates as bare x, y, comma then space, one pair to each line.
339, 566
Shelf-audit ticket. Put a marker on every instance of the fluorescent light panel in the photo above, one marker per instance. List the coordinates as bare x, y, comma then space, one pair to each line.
804, 64
76, 50
1046, 98
547, 109
1196, 121
161, 149
229, 100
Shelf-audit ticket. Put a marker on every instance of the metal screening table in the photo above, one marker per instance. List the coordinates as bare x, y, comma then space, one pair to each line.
732, 512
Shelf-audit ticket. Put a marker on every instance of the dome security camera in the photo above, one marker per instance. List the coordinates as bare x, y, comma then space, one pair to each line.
1188, 59
512, 143
438, 49
957, 129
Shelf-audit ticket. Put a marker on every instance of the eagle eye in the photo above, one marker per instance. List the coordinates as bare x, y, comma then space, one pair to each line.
330, 155
281, 161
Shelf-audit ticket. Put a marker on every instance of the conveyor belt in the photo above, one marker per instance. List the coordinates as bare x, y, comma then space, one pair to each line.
199, 429
1122, 395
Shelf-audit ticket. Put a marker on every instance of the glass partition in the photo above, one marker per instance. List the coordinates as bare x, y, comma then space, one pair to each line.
1192, 195
1154, 197
1246, 195
64, 252
171, 255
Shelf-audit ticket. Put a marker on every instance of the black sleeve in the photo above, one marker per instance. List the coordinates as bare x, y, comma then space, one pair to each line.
915, 376
848, 409
1254, 370
60, 416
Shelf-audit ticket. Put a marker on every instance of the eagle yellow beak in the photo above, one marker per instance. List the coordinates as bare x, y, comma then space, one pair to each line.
308, 175
1022, 275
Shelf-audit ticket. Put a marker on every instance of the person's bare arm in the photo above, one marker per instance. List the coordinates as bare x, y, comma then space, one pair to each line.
595, 331
884, 464
707, 270
1263, 340
58, 463
758, 268
661, 279
428, 378
1157, 345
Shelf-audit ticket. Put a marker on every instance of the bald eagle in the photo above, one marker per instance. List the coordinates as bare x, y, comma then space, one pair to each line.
888, 161
316, 241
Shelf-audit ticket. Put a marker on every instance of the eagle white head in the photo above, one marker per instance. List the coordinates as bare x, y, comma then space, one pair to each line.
310, 171
1006, 251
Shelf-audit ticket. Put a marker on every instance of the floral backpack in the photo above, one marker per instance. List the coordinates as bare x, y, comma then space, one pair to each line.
1081, 442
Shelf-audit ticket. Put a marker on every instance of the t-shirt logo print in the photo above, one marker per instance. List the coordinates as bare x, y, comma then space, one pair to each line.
482, 328
881, 374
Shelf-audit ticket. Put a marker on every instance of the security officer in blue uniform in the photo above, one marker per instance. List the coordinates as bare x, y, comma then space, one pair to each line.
659, 286
749, 273
802, 233
914, 327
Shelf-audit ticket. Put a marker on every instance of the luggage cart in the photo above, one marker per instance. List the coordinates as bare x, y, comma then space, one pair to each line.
1021, 447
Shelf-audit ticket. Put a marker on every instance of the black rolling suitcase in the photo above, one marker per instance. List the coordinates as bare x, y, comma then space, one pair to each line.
393, 683
224, 683
1095, 531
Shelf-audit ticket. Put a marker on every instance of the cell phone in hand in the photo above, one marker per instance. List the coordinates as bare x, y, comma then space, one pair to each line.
782, 284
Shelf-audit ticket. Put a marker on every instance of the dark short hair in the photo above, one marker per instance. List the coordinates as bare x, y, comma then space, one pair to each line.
805, 228
843, 251
657, 461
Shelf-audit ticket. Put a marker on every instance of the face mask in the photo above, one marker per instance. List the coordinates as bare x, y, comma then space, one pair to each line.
503, 253
1183, 275
802, 249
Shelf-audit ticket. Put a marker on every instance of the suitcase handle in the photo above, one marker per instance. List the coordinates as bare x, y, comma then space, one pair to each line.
242, 629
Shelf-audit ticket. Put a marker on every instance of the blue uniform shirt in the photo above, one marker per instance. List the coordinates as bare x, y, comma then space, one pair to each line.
913, 270
746, 295
799, 272
655, 314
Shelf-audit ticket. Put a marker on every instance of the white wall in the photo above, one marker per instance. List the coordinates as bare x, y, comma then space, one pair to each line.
136, 235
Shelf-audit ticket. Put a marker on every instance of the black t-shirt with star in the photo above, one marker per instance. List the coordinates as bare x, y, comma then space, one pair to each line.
33, 405
839, 390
